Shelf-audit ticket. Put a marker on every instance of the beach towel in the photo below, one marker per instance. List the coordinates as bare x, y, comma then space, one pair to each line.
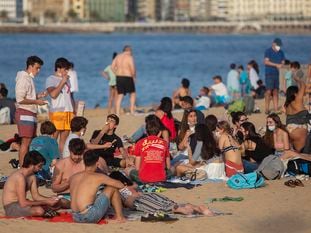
63, 217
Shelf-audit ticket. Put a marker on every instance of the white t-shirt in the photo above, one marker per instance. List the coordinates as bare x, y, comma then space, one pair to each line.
66, 151
220, 89
253, 77
203, 101
73, 78
63, 102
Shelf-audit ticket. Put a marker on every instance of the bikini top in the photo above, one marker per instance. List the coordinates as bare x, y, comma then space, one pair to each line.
228, 148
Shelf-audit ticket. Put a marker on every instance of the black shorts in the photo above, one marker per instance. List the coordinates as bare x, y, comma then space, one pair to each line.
125, 85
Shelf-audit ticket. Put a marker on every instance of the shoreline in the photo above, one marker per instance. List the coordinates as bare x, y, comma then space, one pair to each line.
230, 28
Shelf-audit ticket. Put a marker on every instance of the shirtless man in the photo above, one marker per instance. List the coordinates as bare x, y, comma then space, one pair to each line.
67, 167
91, 193
124, 68
14, 198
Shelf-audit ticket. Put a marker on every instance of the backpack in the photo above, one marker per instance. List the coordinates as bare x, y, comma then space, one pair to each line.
299, 166
246, 181
249, 104
236, 106
271, 168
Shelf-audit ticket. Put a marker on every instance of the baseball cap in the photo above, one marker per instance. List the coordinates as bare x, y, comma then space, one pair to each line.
278, 41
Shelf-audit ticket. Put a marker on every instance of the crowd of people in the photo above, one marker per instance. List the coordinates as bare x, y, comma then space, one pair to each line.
199, 147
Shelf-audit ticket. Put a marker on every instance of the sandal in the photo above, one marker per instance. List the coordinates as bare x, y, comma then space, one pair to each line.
290, 183
158, 218
49, 213
298, 183
14, 163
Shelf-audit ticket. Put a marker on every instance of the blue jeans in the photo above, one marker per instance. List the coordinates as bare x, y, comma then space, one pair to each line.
139, 133
95, 212
249, 166
178, 158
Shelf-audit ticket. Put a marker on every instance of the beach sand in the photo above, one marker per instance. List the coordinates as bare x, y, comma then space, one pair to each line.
273, 208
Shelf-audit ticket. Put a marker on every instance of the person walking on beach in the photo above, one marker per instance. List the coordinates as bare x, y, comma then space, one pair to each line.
26, 104
124, 68
62, 103
111, 77
274, 60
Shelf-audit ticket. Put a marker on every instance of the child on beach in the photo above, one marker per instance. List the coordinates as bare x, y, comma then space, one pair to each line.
221, 92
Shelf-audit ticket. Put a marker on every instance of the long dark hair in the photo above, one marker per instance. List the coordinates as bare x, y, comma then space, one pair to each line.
209, 148
236, 116
250, 128
254, 64
166, 106
290, 95
184, 125
268, 137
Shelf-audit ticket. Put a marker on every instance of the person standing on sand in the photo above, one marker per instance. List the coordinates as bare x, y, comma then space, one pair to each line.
91, 193
62, 102
26, 104
111, 77
274, 60
124, 68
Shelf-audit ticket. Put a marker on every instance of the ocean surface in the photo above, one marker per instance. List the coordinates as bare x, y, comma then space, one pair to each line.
162, 60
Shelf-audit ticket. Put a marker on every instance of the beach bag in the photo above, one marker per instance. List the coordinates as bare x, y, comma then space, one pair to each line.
236, 106
271, 168
246, 181
298, 167
5, 116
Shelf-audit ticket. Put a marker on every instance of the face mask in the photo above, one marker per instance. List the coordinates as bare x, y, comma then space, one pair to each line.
31, 75
82, 133
277, 48
192, 128
271, 128
217, 134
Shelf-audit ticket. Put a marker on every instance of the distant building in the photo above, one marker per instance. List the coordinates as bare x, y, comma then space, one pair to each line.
78, 7
182, 10
146, 10
43, 11
106, 10
198, 10
11, 9
257, 10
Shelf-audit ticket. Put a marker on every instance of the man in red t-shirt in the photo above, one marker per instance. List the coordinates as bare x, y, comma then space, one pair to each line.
152, 155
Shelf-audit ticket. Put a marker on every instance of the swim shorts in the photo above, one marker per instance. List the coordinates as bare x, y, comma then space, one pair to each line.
61, 120
15, 210
272, 82
125, 85
26, 123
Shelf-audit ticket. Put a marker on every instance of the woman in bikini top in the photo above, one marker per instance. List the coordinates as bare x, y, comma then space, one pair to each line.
276, 135
228, 146
297, 116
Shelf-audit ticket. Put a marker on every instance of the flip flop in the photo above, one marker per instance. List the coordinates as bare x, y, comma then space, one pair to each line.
298, 183
158, 218
14, 163
290, 183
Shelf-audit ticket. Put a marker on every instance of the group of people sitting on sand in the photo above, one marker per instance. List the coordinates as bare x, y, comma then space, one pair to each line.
206, 148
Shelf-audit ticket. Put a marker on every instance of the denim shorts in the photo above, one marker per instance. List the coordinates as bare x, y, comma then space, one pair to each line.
95, 212
272, 82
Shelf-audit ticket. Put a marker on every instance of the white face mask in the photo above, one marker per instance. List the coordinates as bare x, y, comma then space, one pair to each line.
82, 133
217, 134
192, 129
277, 48
31, 75
271, 128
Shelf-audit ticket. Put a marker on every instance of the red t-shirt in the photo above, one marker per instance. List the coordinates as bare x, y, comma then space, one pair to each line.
170, 125
153, 152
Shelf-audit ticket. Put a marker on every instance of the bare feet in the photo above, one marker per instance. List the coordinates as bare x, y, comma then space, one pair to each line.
206, 211
118, 220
